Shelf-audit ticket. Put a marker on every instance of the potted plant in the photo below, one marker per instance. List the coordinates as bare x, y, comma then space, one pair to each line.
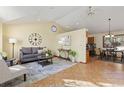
73, 55
48, 53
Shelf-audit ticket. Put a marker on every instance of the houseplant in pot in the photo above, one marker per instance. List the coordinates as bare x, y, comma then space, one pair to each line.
48, 53
72, 55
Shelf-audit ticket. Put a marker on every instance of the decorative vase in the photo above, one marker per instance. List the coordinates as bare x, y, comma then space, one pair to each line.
47, 55
73, 59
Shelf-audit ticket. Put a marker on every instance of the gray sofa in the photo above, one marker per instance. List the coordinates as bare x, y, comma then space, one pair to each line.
30, 54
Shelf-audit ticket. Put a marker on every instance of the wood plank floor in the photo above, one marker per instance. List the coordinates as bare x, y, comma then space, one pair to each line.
96, 73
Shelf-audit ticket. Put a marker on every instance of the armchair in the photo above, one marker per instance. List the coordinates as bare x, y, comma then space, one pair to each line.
9, 73
9, 62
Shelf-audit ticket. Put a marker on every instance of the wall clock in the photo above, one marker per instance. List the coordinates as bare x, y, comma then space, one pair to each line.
53, 28
35, 39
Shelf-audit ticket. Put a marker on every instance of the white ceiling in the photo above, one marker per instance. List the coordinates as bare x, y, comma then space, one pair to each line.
69, 17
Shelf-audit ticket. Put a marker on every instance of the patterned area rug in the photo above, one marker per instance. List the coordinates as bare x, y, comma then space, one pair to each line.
37, 72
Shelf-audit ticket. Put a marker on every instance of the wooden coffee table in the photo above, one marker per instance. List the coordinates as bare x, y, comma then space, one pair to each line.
43, 60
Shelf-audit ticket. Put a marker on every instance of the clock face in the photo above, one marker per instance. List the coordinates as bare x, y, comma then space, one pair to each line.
53, 28
35, 39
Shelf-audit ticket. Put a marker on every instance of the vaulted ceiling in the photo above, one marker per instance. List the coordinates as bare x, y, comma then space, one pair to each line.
69, 17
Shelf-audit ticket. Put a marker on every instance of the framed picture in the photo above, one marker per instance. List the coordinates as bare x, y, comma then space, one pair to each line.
65, 40
117, 40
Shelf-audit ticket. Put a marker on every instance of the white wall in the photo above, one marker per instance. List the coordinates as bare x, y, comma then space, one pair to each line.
1, 37
99, 37
78, 43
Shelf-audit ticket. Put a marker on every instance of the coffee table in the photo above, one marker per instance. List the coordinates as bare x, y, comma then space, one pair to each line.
43, 60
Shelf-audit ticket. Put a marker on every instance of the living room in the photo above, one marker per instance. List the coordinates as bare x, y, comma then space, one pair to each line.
31, 42
22, 32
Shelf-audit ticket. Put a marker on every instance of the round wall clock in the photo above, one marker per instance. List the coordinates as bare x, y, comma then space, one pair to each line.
35, 39
53, 28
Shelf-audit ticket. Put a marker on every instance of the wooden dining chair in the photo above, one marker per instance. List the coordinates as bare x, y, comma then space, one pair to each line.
97, 52
119, 55
109, 54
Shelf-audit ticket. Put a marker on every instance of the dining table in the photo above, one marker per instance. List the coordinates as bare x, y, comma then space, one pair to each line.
111, 54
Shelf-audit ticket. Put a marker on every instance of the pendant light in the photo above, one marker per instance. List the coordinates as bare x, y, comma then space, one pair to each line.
109, 34
91, 11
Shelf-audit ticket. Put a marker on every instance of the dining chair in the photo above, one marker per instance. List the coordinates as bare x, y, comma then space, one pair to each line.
97, 52
109, 54
119, 55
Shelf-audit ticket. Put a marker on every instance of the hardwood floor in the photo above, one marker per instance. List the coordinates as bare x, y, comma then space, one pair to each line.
97, 73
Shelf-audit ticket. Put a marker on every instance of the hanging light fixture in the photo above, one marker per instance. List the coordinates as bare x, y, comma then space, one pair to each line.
91, 11
109, 34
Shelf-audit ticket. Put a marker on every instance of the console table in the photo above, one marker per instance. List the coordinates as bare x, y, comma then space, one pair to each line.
65, 51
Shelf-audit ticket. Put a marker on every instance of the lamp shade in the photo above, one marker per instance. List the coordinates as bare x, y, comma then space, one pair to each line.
12, 40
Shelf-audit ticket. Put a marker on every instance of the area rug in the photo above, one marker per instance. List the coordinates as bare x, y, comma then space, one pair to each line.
37, 72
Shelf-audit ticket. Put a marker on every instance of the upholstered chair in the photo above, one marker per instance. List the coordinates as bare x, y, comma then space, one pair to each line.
9, 73
119, 55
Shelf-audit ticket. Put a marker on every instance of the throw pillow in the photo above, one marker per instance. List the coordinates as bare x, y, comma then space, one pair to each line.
34, 50
40, 51
26, 50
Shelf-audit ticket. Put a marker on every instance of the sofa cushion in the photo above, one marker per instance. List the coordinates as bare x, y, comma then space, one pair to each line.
32, 55
29, 56
39, 54
35, 50
40, 48
26, 50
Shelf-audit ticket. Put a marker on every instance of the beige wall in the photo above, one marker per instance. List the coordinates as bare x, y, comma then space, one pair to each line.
78, 43
99, 37
22, 31
1, 36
